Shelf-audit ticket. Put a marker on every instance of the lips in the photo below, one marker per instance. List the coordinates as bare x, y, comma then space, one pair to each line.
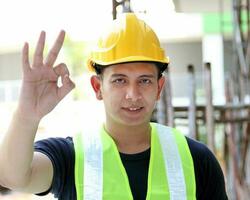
132, 109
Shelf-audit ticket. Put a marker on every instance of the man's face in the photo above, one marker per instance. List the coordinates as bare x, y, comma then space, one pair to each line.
129, 92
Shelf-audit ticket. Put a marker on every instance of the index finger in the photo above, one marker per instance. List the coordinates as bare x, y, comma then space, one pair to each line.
53, 53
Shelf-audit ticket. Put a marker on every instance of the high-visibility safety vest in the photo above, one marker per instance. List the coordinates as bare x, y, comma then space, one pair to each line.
100, 174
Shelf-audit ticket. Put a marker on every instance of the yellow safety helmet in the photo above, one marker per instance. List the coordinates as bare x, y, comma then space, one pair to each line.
128, 40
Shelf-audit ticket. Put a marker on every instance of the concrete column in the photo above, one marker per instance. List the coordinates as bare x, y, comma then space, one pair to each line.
212, 52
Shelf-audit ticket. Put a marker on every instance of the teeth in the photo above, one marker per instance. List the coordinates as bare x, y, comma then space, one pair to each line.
133, 109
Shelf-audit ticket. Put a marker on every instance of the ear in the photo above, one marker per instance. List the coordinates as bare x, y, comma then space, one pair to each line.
161, 82
96, 85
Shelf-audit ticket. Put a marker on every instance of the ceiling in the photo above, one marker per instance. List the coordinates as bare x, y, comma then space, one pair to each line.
199, 6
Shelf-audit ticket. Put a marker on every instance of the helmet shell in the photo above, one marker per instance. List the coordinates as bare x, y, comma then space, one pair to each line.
129, 39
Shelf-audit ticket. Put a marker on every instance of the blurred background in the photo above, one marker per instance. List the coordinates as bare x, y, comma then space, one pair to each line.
207, 94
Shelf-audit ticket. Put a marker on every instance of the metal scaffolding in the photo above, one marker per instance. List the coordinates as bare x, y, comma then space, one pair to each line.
241, 43
125, 4
238, 91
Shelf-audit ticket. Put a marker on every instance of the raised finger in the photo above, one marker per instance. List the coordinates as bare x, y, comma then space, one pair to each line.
38, 56
25, 58
53, 53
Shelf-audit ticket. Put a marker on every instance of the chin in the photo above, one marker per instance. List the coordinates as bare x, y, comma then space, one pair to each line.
134, 122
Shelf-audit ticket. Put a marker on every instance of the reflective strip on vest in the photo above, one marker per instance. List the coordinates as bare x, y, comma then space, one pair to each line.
173, 165
170, 175
93, 166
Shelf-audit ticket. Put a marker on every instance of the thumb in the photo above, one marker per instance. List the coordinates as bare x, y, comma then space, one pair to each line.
67, 86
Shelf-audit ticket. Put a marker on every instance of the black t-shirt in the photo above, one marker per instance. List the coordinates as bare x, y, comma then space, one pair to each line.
208, 174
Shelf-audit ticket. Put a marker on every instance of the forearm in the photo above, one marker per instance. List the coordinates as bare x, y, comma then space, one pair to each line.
16, 151
20, 168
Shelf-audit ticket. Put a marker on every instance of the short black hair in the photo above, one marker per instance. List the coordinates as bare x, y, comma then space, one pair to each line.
160, 66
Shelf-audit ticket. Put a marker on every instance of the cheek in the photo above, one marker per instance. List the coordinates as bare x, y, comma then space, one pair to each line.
151, 93
112, 97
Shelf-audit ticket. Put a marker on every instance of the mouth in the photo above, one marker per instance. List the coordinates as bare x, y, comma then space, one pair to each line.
132, 109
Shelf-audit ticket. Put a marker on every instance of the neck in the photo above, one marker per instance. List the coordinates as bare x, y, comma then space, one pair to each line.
130, 139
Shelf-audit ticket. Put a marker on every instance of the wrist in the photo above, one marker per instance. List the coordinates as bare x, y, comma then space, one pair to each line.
26, 118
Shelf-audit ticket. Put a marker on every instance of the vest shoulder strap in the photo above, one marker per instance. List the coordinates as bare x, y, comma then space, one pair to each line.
178, 163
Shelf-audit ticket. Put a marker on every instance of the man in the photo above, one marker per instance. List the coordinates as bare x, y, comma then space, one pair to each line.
126, 158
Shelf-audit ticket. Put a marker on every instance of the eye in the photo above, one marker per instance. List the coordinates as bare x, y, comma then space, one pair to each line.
145, 81
119, 81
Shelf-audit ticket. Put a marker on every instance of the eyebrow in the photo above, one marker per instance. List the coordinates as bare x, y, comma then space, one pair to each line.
118, 75
142, 76
147, 76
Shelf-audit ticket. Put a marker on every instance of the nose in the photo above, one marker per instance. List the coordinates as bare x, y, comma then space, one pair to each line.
133, 93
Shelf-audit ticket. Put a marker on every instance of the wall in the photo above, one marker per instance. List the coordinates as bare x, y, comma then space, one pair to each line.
182, 54
10, 66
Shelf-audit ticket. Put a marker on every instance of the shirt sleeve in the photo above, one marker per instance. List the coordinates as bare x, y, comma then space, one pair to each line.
61, 153
209, 177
